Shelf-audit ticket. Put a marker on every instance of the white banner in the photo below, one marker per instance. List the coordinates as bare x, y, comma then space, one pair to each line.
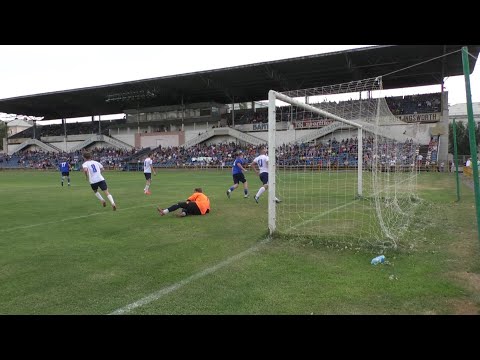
428, 117
261, 126
311, 124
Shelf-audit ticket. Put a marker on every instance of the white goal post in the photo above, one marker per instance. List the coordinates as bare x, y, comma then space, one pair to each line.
272, 97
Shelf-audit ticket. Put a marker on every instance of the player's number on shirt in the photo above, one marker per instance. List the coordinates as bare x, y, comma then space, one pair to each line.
94, 168
64, 164
260, 162
145, 164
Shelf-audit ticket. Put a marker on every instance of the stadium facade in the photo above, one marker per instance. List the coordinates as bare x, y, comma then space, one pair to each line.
225, 105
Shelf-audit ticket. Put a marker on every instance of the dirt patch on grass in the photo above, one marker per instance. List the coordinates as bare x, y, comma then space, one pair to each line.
465, 307
461, 249
468, 182
471, 282
104, 275
471, 279
428, 187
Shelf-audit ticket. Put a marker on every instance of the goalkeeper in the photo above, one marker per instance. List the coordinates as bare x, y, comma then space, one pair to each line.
197, 204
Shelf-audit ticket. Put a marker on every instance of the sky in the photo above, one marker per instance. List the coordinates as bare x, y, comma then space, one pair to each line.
34, 69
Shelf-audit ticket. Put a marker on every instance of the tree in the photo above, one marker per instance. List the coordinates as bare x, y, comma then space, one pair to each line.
463, 139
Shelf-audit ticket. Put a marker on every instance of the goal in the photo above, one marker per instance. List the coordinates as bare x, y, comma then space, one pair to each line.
342, 165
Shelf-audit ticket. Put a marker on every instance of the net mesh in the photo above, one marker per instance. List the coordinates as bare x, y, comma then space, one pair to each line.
330, 193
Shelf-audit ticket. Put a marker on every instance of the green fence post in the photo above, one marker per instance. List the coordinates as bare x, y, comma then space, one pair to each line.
471, 132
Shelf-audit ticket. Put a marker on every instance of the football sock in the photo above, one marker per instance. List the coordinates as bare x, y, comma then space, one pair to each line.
260, 191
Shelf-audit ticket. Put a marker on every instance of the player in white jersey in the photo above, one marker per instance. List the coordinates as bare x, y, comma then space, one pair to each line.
260, 165
93, 174
147, 171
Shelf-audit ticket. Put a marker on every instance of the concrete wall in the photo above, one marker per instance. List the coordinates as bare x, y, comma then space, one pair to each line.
51, 139
12, 148
419, 132
98, 145
61, 145
443, 124
165, 139
126, 138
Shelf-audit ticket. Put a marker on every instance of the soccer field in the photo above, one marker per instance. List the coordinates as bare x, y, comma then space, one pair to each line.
61, 252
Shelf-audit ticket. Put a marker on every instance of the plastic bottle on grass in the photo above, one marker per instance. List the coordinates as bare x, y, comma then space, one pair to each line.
378, 260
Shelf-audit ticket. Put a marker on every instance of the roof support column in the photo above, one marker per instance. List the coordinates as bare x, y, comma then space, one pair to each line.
233, 111
64, 123
183, 113
138, 121
442, 153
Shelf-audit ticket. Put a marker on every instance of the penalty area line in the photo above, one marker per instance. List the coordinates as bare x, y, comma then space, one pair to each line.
169, 289
68, 219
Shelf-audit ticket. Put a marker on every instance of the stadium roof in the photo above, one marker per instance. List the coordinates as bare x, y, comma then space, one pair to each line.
460, 110
251, 82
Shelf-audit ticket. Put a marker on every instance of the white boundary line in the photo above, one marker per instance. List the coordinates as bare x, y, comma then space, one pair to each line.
167, 290
157, 295
340, 206
68, 219
320, 215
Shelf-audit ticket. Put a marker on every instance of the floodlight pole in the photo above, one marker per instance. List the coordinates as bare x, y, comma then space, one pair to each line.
471, 132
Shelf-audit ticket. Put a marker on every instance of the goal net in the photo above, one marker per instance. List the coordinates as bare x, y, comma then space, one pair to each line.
343, 168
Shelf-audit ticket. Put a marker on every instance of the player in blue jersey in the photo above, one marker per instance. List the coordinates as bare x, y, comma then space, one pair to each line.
238, 176
64, 167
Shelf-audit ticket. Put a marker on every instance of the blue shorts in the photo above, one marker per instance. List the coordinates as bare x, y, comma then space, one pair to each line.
239, 178
148, 176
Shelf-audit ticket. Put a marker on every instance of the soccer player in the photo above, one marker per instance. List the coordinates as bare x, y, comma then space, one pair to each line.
93, 174
147, 171
197, 204
260, 165
65, 170
238, 176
